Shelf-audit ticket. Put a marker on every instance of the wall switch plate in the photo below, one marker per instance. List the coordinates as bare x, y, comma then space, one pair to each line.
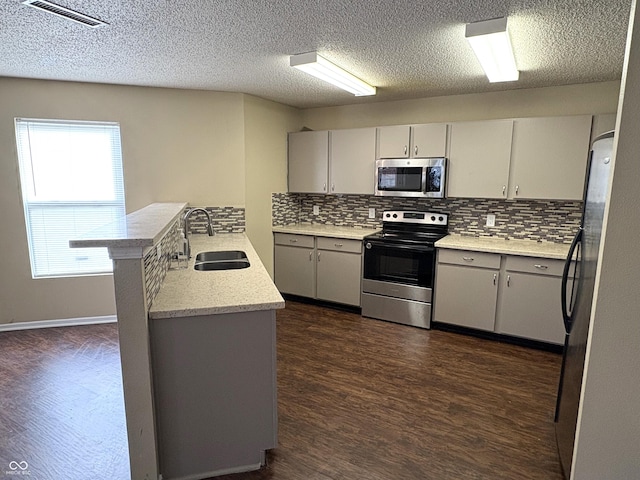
491, 220
316, 210
372, 213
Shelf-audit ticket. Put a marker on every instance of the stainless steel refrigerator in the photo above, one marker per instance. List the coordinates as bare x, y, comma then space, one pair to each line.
578, 284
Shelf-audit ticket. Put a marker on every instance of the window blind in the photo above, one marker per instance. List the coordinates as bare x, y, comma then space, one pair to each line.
72, 182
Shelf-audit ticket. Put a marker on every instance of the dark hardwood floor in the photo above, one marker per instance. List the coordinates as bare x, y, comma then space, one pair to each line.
358, 399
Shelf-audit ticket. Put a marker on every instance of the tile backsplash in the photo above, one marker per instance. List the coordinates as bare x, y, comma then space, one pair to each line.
551, 221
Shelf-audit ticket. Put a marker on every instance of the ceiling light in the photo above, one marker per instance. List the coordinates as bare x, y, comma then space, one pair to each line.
320, 67
490, 42
64, 12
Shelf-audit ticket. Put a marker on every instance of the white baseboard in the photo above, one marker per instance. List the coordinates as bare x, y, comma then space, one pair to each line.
65, 322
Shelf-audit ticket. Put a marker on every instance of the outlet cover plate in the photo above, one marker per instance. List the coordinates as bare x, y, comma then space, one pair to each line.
372, 213
316, 210
491, 220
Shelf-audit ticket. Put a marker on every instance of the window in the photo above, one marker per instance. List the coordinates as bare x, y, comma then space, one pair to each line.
71, 176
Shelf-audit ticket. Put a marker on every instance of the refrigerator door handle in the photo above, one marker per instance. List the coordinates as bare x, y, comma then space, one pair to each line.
566, 315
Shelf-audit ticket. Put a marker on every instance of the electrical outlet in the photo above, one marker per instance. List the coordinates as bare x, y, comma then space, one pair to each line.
372, 213
491, 220
316, 210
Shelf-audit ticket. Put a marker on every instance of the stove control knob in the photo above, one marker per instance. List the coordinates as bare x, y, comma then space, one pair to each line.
395, 215
388, 215
368, 246
441, 219
433, 218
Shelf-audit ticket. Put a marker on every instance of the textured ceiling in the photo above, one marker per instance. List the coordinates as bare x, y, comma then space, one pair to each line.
407, 48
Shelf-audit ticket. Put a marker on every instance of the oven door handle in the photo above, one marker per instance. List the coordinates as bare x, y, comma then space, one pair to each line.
368, 244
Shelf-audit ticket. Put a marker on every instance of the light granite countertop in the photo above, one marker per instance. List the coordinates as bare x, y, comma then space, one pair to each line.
142, 228
188, 292
527, 248
318, 230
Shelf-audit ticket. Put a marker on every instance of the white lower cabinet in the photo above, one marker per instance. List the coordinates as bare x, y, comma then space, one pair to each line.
506, 294
467, 289
530, 301
295, 268
325, 268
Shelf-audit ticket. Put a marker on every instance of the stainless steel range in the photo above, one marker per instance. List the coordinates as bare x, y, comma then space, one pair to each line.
399, 267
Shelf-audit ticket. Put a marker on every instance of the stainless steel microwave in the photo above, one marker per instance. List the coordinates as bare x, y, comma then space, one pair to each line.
411, 177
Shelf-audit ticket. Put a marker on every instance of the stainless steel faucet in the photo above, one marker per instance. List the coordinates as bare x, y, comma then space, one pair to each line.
186, 226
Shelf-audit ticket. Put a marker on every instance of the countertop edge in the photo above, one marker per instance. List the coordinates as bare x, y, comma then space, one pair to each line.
524, 248
144, 228
321, 230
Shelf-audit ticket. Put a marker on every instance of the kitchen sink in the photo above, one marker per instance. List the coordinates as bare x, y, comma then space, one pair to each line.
221, 260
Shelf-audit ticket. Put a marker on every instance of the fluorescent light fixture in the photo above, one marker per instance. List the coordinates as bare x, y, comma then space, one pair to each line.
490, 42
320, 67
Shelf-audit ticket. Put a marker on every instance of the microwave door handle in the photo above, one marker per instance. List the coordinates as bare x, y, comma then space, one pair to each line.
424, 179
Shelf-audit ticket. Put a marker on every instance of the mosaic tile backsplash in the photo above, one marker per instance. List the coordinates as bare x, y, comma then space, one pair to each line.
224, 220
549, 221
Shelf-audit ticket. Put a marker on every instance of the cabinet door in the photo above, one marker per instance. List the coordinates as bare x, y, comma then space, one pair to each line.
393, 141
479, 157
308, 162
339, 277
530, 307
294, 270
466, 296
549, 158
352, 161
429, 140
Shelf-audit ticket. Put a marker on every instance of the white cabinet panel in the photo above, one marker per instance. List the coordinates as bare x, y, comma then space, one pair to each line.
479, 157
549, 158
466, 296
308, 161
352, 161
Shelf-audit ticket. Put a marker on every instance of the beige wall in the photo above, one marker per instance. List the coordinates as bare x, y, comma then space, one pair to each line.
178, 145
266, 125
590, 98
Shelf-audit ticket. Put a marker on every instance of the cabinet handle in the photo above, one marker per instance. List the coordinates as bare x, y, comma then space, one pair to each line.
324, 187
495, 278
311, 256
318, 256
293, 240
333, 187
405, 149
504, 189
339, 245
468, 259
517, 188
415, 150
508, 280
541, 267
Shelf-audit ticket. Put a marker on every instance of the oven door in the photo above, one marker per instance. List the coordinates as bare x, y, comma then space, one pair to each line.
399, 263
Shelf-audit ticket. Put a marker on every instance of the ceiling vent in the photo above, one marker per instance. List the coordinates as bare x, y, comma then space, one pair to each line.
65, 13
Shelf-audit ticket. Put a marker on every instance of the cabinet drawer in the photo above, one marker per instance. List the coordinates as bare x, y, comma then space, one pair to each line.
544, 266
339, 244
293, 240
469, 258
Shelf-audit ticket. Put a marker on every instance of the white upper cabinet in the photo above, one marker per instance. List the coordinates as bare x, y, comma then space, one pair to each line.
549, 157
309, 161
415, 141
352, 161
479, 157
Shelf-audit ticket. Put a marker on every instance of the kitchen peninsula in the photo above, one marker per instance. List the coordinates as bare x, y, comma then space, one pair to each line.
197, 350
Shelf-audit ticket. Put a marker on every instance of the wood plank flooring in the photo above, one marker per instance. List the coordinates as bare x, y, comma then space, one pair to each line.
358, 399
